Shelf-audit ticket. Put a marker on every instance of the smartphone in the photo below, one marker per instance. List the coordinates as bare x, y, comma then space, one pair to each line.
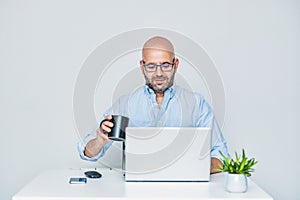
77, 180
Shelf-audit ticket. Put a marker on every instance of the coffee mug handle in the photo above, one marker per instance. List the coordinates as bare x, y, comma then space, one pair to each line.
105, 132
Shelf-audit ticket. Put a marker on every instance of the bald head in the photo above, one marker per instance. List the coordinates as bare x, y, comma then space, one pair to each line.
158, 43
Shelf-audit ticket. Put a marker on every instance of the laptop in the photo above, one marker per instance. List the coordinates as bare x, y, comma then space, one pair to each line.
167, 154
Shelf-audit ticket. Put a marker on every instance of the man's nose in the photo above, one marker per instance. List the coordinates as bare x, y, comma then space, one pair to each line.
158, 70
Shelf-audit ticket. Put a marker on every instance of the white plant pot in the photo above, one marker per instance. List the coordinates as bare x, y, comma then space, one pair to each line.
236, 183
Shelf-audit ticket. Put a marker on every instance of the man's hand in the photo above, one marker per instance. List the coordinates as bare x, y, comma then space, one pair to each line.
105, 126
94, 146
215, 165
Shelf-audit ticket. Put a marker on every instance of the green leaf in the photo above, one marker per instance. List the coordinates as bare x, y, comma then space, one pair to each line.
239, 165
237, 157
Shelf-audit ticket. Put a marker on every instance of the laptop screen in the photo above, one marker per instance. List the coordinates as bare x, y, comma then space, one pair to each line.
159, 153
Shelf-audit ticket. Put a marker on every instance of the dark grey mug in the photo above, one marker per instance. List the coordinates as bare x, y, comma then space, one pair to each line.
117, 132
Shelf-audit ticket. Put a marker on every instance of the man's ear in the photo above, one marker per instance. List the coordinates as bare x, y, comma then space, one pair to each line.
142, 67
176, 64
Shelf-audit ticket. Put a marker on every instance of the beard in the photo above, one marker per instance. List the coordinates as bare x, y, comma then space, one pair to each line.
160, 88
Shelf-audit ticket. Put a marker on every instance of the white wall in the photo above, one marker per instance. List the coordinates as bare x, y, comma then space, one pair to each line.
254, 44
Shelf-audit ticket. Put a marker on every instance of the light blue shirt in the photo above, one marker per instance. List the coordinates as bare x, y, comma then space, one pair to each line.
180, 108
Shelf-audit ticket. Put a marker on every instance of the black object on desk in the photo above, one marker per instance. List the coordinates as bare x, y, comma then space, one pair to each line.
92, 174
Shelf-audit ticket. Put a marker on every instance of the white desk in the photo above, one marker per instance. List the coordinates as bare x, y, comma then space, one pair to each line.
54, 185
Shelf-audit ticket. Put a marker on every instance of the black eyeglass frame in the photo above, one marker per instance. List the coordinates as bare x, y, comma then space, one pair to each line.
159, 65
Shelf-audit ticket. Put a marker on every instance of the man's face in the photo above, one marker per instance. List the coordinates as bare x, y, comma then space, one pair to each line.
158, 80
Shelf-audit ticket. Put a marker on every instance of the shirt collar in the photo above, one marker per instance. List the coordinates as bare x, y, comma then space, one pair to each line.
171, 91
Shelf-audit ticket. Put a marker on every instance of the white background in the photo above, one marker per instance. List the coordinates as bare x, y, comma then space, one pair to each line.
254, 44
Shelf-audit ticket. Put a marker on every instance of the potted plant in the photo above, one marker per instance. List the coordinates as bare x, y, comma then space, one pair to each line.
237, 171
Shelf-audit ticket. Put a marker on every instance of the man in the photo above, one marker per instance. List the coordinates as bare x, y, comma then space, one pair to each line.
158, 103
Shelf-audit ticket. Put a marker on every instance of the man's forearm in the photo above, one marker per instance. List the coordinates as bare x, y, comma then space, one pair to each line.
93, 147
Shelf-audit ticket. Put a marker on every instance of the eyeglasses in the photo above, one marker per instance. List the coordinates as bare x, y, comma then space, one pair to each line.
165, 67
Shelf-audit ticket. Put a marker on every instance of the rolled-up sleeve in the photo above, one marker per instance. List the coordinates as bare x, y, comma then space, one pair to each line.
219, 145
207, 119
